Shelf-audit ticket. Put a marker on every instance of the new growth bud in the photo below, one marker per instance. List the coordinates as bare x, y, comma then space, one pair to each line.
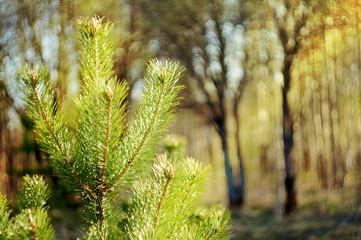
94, 25
32, 227
164, 74
170, 172
109, 93
34, 76
219, 214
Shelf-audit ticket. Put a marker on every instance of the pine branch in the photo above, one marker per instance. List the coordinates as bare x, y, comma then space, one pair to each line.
34, 193
152, 117
96, 103
188, 190
32, 222
87, 189
109, 95
49, 123
33, 227
43, 114
182, 206
161, 205
56, 141
145, 137
170, 175
99, 125
212, 224
147, 200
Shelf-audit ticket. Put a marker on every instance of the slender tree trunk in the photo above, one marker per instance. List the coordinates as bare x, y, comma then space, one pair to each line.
241, 187
291, 199
278, 152
4, 144
235, 193
357, 97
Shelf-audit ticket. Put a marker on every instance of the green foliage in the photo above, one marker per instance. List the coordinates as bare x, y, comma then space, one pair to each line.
32, 221
211, 223
161, 204
4, 214
34, 193
103, 155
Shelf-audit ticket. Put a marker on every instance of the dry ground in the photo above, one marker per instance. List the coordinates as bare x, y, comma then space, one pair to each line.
327, 215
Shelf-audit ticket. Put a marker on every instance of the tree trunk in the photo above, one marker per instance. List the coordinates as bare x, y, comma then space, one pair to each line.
235, 193
291, 200
279, 170
239, 154
4, 144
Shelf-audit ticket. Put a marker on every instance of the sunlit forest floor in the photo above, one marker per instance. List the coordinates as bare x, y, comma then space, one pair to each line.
331, 214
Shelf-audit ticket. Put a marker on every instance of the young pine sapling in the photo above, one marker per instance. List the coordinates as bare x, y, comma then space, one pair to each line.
103, 155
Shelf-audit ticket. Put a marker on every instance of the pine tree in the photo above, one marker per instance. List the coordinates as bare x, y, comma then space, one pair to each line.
102, 155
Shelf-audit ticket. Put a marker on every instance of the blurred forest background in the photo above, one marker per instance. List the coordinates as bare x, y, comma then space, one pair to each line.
272, 101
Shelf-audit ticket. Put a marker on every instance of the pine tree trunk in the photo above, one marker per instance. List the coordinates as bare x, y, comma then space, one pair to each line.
291, 200
241, 187
278, 163
235, 193
4, 144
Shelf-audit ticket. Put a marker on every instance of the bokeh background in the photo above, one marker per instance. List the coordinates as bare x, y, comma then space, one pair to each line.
272, 101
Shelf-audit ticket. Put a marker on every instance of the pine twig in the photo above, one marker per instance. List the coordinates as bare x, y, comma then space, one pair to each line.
43, 114
181, 208
109, 95
170, 174
131, 161
33, 228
